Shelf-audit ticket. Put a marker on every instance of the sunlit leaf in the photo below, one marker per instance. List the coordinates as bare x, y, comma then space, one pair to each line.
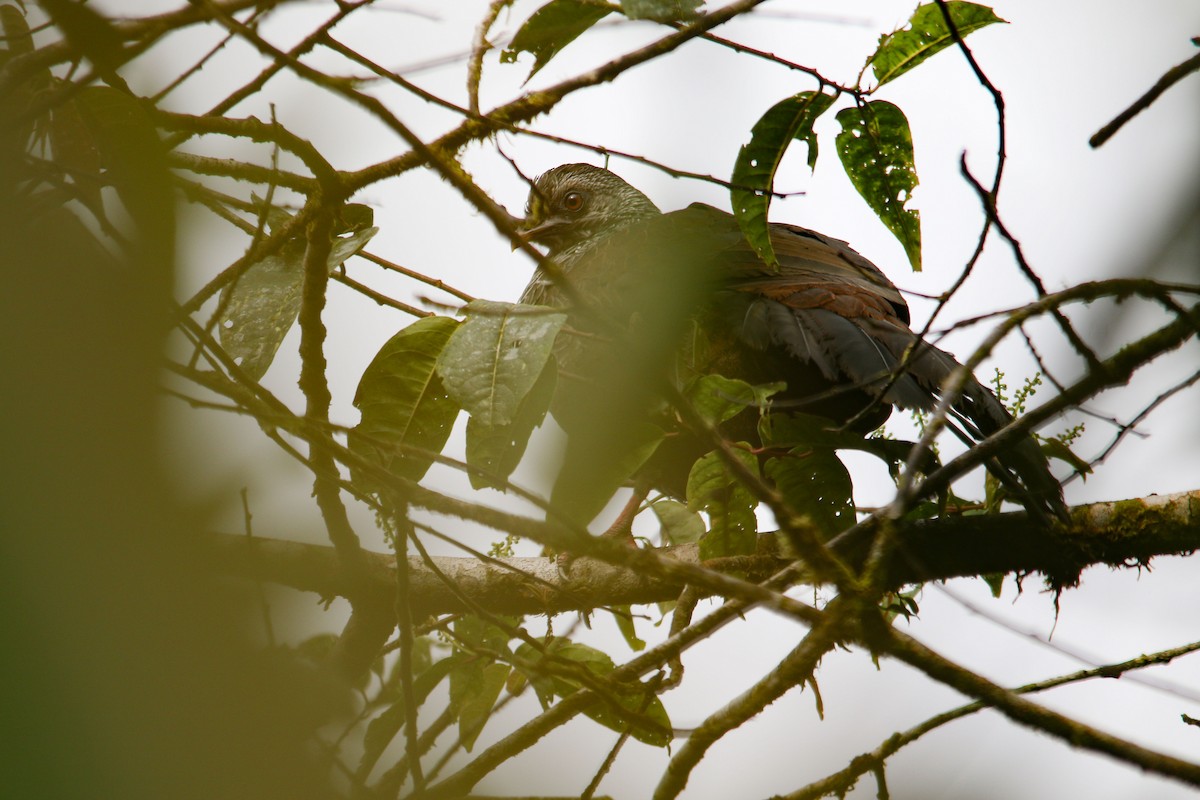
680, 524
876, 150
551, 28
757, 161
495, 357
926, 34
403, 402
713, 489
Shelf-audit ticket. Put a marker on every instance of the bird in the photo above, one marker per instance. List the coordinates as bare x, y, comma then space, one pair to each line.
824, 321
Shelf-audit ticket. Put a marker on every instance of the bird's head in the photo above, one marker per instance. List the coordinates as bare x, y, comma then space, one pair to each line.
573, 203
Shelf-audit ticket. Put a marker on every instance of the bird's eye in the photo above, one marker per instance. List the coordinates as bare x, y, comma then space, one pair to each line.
572, 201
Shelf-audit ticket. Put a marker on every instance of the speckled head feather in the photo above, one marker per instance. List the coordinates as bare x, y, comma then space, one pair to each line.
575, 204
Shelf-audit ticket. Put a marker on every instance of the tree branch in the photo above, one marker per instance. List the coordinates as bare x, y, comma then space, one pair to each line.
1115, 533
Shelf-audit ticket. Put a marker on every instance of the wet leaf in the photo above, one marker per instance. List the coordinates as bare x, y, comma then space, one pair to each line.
926, 34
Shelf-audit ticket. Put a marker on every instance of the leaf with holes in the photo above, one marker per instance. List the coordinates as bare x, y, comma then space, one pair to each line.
661, 10
757, 161
816, 484
926, 34
262, 305
876, 150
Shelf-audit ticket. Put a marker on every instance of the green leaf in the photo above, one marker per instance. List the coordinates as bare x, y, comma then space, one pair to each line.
712, 488
817, 485
403, 402
551, 28
661, 10
495, 357
262, 305
498, 449
876, 150
757, 161
926, 34
1057, 448
624, 620
717, 399
680, 524
649, 722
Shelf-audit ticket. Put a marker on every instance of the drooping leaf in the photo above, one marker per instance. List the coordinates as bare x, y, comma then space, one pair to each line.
495, 357
661, 10
262, 305
403, 402
624, 620
1057, 448
645, 718
680, 524
876, 150
714, 489
757, 161
816, 484
925, 34
551, 28
498, 449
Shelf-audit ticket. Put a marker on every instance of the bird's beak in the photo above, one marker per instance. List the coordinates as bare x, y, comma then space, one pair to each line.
530, 230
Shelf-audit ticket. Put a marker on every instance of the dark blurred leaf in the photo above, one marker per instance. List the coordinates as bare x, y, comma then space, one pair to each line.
498, 449
551, 28
18, 41
817, 485
495, 357
757, 160
876, 150
595, 467
135, 163
87, 32
712, 488
680, 524
403, 402
78, 153
926, 34
650, 724
793, 429
661, 10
